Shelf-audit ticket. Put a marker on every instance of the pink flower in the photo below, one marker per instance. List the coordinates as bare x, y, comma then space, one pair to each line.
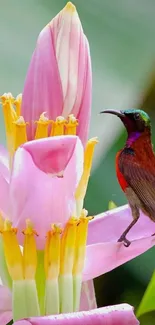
45, 180
113, 315
59, 78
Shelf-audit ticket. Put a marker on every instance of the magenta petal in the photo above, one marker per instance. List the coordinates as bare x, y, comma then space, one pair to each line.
42, 89
112, 315
44, 198
104, 253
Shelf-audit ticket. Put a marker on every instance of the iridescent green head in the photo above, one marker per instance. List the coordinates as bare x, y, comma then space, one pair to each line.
135, 120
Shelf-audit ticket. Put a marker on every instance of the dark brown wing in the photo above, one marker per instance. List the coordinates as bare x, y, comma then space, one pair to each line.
140, 179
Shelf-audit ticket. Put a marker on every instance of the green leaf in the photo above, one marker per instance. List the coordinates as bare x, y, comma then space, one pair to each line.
148, 301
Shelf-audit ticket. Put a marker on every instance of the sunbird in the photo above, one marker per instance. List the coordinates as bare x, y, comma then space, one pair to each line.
135, 166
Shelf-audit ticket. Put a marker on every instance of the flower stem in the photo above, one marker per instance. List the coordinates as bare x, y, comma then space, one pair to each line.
52, 297
66, 293
40, 281
4, 274
32, 302
77, 283
19, 300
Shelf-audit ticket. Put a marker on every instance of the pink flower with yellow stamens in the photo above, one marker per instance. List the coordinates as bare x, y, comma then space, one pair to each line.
44, 250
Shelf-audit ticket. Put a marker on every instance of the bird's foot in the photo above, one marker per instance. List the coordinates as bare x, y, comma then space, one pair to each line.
125, 241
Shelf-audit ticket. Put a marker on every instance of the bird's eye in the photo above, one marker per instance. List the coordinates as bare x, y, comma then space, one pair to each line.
137, 116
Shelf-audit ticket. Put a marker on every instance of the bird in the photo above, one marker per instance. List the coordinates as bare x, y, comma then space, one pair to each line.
135, 166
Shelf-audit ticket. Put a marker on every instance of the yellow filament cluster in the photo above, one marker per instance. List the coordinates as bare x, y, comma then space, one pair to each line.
88, 158
80, 244
52, 252
65, 253
16, 127
42, 127
12, 251
71, 125
20, 266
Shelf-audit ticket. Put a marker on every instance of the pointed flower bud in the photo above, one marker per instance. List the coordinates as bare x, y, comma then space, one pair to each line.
59, 76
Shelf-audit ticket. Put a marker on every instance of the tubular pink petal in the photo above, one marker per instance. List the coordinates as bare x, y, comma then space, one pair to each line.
42, 89
45, 198
88, 299
112, 315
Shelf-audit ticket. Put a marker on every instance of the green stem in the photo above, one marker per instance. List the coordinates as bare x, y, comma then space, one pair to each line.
40, 281
52, 297
32, 302
77, 283
4, 274
66, 293
19, 300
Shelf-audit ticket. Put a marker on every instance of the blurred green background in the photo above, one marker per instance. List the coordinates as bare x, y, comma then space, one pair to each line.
122, 43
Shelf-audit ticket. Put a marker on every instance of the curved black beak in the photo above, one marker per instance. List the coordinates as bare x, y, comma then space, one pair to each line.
114, 112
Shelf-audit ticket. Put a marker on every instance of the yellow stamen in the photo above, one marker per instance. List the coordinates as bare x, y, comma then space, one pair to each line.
20, 135
69, 7
17, 104
88, 158
12, 251
71, 125
58, 126
42, 127
1, 223
29, 252
68, 246
52, 253
9, 117
80, 244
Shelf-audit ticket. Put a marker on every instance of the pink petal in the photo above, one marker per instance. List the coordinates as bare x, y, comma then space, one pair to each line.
5, 305
84, 112
108, 226
104, 253
55, 85
6, 317
45, 198
51, 155
112, 315
5, 299
42, 89
4, 180
88, 299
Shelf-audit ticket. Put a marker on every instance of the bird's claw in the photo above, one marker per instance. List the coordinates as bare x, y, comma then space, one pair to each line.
125, 241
